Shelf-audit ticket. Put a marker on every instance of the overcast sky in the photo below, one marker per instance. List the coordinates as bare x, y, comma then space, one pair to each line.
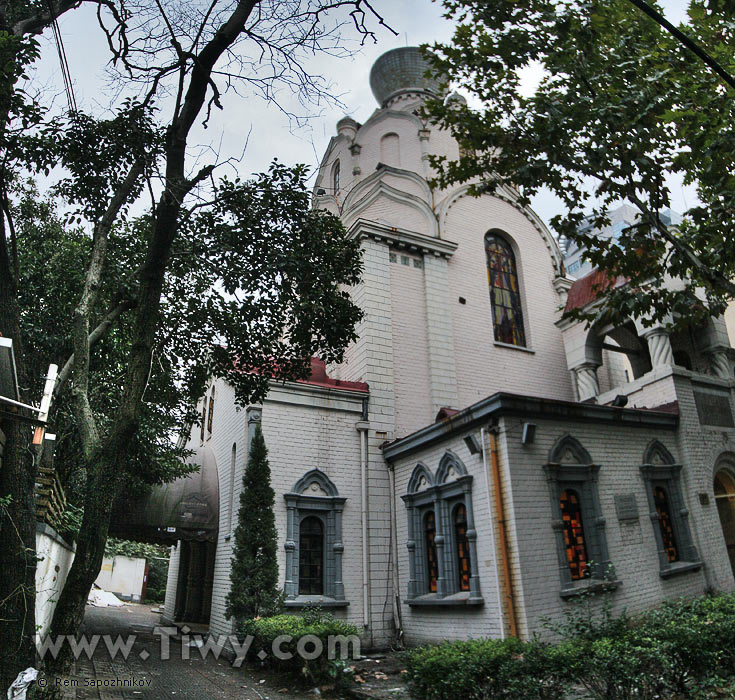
266, 130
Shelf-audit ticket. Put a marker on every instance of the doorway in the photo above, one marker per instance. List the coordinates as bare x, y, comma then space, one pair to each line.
724, 487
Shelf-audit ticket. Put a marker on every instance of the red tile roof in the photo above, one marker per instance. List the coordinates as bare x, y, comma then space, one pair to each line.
587, 289
445, 412
319, 377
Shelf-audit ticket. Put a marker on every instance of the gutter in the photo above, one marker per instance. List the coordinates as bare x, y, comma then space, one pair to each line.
362, 427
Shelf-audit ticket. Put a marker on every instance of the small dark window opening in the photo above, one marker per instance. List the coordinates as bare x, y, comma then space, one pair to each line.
464, 568
432, 561
204, 417
661, 500
311, 556
335, 177
681, 358
574, 541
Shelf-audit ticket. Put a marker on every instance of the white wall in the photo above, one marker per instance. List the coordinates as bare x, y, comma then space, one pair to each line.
55, 557
123, 576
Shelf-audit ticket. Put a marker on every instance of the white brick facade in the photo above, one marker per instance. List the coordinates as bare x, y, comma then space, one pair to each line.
426, 342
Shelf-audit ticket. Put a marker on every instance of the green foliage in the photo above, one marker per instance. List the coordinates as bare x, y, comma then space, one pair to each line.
156, 555
480, 669
620, 103
313, 623
52, 260
70, 522
284, 269
129, 548
682, 649
254, 588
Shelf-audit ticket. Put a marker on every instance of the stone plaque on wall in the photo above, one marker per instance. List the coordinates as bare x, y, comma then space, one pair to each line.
626, 507
714, 408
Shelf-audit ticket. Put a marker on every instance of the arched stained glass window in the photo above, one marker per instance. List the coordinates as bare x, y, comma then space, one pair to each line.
335, 178
211, 412
576, 546
505, 296
432, 562
661, 500
311, 556
464, 569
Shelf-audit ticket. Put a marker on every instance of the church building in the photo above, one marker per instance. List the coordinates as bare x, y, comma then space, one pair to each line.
476, 462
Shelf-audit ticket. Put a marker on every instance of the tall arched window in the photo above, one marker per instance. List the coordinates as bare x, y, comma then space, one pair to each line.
311, 556
233, 461
571, 516
335, 178
661, 500
505, 295
462, 547
204, 417
211, 412
432, 569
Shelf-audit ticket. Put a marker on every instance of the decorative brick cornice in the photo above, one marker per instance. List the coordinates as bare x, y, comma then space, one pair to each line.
402, 238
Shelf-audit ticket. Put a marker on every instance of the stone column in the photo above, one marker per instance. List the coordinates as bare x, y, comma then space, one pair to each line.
587, 384
472, 543
659, 347
356, 170
719, 363
338, 548
254, 414
411, 546
424, 141
440, 542
291, 587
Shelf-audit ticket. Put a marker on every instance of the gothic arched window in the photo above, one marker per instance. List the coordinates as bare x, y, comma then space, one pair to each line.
661, 499
576, 546
432, 562
505, 295
462, 547
311, 556
335, 178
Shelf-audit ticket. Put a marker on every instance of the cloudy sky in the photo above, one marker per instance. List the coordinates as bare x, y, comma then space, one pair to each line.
249, 120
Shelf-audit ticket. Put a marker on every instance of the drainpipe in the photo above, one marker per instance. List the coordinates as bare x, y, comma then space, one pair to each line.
362, 427
493, 546
502, 531
397, 623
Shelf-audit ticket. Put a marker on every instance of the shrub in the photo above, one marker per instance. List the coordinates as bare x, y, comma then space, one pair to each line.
682, 649
481, 669
254, 574
293, 628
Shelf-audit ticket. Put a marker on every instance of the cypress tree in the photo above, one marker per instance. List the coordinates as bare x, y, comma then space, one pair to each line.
254, 588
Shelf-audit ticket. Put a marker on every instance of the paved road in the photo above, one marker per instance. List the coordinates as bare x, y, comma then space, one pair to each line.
177, 678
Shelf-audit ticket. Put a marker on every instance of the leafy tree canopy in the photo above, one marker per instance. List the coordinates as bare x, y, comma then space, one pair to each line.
620, 103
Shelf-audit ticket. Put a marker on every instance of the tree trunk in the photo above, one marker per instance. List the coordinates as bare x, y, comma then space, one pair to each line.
18, 519
103, 483
17, 556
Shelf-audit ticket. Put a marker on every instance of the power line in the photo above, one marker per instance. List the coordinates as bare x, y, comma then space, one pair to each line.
63, 62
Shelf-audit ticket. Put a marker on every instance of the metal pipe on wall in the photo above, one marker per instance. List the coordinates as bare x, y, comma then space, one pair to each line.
362, 428
493, 544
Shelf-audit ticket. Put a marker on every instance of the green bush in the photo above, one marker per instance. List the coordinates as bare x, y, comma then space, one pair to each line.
682, 649
320, 670
481, 669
